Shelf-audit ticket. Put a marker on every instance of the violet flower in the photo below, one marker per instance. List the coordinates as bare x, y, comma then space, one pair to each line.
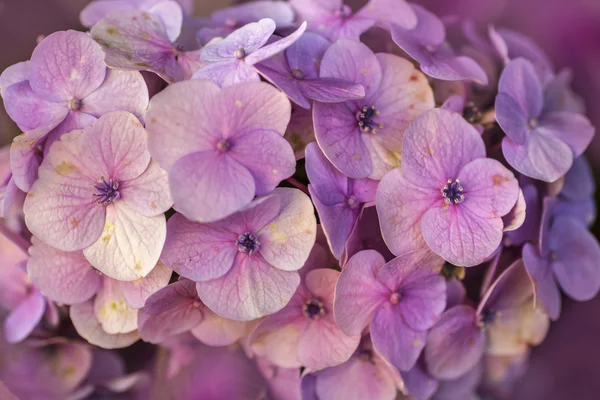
51, 95
232, 60
296, 73
446, 195
221, 147
99, 192
363, 138
245, 265
401, 300
339, 200
540, 143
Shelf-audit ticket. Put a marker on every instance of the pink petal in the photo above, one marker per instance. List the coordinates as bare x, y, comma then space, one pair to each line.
16, 73
198, 251
274, 163
137, 292
120, 91
66, 65
174, 128
543, 157
129, 245
116, 146
436, 147
171, 15
491, 190
397, 342
227, 73
208, 186
358, 293
401, 205
30, 111
218, 331
149, 193
455, 344
516, 216
271, 49
63, 277
21, 321
287, 240
459, 236
112, 310
86, 324
250, 290
172, 310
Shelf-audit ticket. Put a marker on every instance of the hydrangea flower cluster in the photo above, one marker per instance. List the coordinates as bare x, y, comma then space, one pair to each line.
290, 213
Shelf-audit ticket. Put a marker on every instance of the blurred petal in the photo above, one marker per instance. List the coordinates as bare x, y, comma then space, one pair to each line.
22, 320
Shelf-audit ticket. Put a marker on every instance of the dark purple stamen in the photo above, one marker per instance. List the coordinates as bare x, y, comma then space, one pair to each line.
313, 309
366, 122
224, 145
247, 243
486, 318
107, 191
452, 192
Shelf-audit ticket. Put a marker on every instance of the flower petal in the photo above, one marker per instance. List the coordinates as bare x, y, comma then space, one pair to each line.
218, 331
66, 65
137, 292
397, 342
455, 344
278, 46
287, 240
85, 322
358, 293
148, 194
112, 310
250, 290
130, 244
547, 295
64, 277
573, 129
459, 236
21, 321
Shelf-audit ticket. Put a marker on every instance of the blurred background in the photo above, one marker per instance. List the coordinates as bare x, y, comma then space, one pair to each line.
566, 365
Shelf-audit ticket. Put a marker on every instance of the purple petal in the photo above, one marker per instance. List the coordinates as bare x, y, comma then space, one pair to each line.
579, 182
516, 216
459, 236
358, 293
120, 91
86, 324
454, 103
436, 147
394, 339
30, 111
388, 13
337, 222
331, 90
543, 157
24, 160
455, 344
137, 292
547, 295
172, 310
227, 73
276, 47
415, 277
286, 83
491, 190
99, 9
250, 38
530, 229
135, 39
148, 194
198, 251
418, 382
511, 289
401, 206
218, 331
63, 277
76, 75
171, 14
250, 290
329, 184
574, 258
287, 240
573, 129
207, 187
274, 163
22, 320
16, 73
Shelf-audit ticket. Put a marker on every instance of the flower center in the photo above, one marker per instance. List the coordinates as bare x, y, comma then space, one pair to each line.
486, 318
298, 74
395, 298
313, 309
108, 192
452, 192
247, 243
352, 202
74, 104
239, 53
471, 113
343, 12
366, 122
533, 123
224, 145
